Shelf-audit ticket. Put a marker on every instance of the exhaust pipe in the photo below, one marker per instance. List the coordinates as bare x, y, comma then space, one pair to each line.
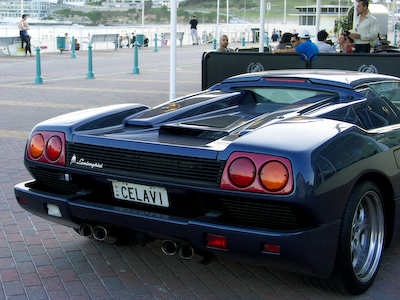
169, 247
86, 230
185, 251
101, 234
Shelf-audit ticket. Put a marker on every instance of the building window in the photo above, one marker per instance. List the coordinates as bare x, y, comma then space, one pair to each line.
307, 20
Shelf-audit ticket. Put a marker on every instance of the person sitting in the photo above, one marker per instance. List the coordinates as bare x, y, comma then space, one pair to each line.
346, 43
305, 47
77, 45
342, 43
223, 44
350, 48
285, 41
295, 40
322, 45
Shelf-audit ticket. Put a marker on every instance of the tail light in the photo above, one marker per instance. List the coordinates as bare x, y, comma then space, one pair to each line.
242, 172
47, 147
216, 241
36, 146
274, 176
257, 173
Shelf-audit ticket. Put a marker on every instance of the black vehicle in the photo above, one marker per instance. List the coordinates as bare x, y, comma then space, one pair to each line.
293, 169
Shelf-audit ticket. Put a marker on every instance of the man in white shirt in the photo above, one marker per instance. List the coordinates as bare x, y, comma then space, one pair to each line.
366, 30
322, 45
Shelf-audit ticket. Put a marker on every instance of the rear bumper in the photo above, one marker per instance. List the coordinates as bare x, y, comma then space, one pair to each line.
308, 252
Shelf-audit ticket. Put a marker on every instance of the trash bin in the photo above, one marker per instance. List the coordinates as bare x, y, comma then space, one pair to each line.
256, 34
140, 39
61, 43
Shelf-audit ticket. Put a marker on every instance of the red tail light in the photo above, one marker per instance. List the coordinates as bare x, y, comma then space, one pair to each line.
54, 148
47, 147
216, 241
272, 249
242, 172
258, 173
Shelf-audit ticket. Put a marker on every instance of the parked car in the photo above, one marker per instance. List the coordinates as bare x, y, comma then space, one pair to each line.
291, 169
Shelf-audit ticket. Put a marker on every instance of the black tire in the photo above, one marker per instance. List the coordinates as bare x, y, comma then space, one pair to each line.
361, 240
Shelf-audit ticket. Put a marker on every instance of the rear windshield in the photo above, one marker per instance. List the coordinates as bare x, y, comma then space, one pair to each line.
287, 96
390, 90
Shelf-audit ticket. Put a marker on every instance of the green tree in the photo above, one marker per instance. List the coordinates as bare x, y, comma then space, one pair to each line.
211, 16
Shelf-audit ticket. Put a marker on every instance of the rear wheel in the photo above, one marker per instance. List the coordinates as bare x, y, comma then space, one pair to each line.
361, 240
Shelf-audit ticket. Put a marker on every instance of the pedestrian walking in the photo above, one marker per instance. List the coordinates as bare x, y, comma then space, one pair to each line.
193, 30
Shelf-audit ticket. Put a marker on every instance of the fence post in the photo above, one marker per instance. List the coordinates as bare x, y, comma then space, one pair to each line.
136, 59
155, 40
73, 55
90, 74
38, 78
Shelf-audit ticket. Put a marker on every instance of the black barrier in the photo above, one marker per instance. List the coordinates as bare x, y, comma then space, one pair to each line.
217, 66
382, 63
253, 49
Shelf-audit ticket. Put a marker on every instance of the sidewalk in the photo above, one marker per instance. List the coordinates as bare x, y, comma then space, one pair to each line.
43, 260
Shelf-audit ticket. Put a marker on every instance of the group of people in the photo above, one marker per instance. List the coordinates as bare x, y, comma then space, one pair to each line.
360, 40
126, 41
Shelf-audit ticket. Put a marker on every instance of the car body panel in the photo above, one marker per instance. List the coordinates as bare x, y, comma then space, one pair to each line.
332, 129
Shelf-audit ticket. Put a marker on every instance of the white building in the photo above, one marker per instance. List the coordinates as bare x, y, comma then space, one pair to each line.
74, 2
307, 15
33, 8
330, 13
122, 3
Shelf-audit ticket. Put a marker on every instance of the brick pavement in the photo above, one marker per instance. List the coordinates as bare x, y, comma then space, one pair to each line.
43, 260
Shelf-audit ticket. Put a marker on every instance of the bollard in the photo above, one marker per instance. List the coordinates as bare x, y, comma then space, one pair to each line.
155, 39
243, 42
90, 74
136, 59
215, 43
395, 38
73, 48
38, 78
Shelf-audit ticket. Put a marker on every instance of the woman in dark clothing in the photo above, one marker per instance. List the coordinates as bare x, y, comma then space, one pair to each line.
285, 41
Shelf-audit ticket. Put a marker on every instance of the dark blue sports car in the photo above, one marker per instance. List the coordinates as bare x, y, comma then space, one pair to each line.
292, 169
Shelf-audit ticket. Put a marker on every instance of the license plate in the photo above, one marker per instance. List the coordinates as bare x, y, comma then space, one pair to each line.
144, 194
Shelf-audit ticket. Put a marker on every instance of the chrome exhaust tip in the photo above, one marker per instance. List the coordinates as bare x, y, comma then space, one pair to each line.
86, 230
169, 247
101, 234
185, 251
